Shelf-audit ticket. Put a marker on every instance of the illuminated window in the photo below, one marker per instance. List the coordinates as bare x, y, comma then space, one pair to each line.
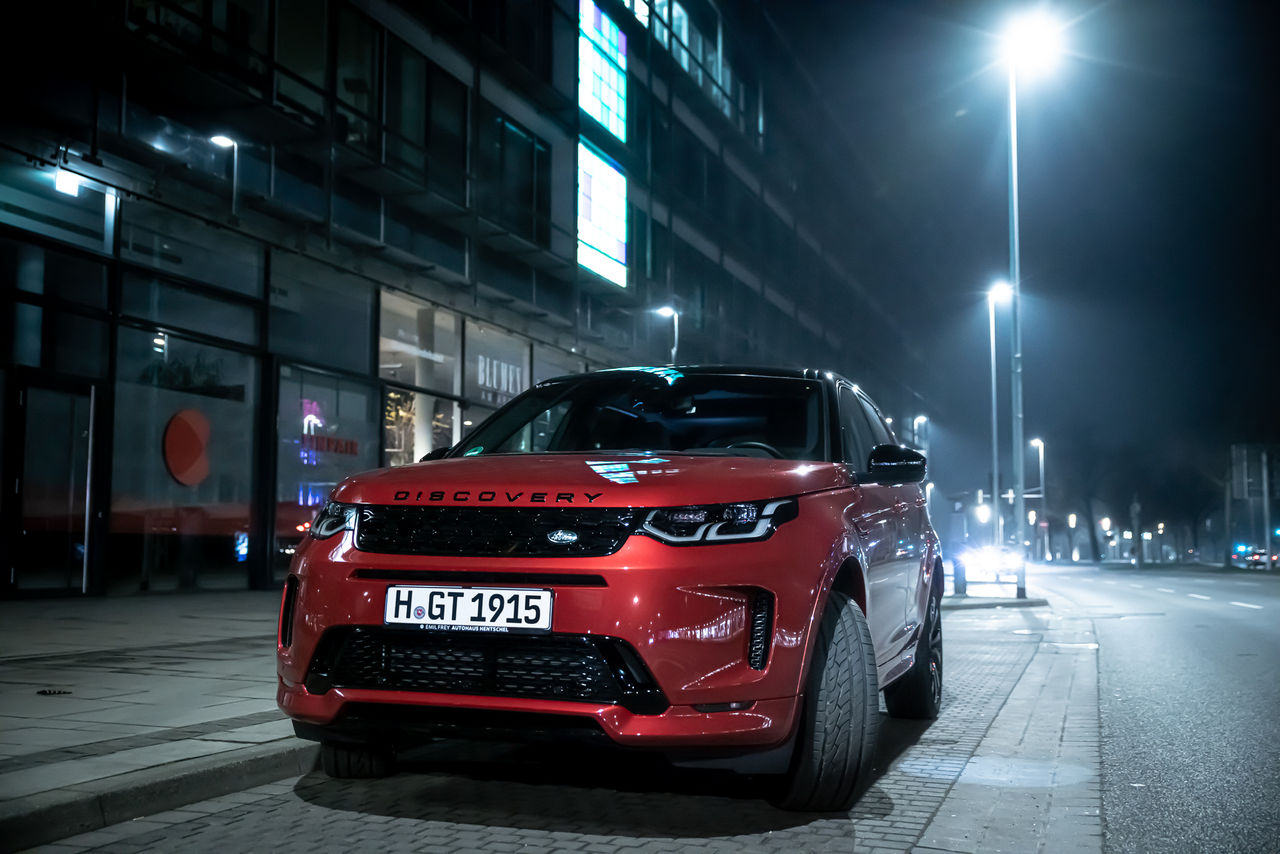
602, 217
639, 8
602, 69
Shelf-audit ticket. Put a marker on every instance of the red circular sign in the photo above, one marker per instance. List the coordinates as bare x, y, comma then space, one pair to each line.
186, 439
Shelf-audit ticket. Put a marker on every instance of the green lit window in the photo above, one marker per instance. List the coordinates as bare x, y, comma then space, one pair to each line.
602, 217
602, 69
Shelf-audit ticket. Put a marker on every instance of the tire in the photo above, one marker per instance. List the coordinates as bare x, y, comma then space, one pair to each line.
346, 761
918, 694
840, 717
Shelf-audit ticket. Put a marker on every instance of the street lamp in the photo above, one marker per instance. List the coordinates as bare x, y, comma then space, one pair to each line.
1031, 42
915, 432
1000, 292
227, 142
668, 311
1038, 444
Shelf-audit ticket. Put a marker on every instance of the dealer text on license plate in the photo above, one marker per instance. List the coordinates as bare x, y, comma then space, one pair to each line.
491, 609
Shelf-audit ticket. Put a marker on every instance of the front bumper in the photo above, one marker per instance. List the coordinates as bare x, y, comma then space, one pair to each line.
685, 612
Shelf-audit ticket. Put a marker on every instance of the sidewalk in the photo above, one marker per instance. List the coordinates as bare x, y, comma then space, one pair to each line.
114, 708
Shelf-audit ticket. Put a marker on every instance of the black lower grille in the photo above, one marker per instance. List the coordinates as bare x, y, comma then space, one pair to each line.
578, 668
494, 531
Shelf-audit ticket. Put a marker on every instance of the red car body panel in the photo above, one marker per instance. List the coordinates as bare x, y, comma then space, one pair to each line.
683, 609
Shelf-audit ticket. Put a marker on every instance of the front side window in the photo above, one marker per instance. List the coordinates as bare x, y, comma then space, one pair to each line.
661, 410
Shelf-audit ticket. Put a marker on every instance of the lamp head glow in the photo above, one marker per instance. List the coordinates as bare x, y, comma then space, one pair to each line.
1001, 292
666, 311
222, 141
918, 420
1037, 443
983, 513
1032, 42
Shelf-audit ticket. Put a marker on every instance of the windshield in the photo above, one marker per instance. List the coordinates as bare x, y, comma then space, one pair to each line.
778, 417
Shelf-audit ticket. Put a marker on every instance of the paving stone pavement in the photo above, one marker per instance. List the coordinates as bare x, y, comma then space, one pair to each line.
1013, 760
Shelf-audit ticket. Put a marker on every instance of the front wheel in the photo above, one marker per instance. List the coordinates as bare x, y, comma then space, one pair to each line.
840, 718
918, 694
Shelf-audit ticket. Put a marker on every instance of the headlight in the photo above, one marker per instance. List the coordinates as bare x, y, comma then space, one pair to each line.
741, 522
332, 518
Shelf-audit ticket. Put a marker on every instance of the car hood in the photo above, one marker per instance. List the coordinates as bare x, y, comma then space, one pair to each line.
591, 480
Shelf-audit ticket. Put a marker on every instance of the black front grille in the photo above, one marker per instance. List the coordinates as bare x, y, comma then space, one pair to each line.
578, 668
494, 531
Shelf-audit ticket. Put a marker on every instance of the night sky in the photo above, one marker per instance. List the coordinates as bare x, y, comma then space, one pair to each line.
1149, 226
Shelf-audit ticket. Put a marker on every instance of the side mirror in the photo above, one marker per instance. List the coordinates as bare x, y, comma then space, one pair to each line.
434, 455
895, 464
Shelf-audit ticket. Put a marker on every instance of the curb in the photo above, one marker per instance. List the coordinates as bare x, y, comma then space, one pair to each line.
964, 603
57, 814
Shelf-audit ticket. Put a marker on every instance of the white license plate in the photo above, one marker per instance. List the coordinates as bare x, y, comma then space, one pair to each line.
484, 609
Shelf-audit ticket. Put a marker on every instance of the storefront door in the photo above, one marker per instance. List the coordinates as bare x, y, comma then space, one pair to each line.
49, 551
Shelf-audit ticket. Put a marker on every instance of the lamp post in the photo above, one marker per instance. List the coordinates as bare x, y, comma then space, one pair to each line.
227, 142
1000, 292
1038, 444
668, 311
915, 432
1031, 41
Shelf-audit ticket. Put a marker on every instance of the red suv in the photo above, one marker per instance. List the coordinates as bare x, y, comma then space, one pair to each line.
722, 564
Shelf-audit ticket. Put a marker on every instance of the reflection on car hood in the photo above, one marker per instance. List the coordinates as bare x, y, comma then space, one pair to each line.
601, 479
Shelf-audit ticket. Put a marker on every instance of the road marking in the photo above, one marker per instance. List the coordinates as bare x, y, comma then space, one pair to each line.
1139, 586
1165, 590
1197, 596
1247, 605
1108, 582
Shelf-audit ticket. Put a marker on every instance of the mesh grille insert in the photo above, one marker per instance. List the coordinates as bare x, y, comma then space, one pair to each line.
494, 531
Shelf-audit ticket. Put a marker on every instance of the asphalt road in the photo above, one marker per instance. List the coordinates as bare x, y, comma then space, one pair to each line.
1189, 696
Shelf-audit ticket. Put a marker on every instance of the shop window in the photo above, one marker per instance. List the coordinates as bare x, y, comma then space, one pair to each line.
327, 428
182, 246
548, 363
182, 481
497, 366
415, 423
602, 69
602, 217
419, 344
171, 305
319, 314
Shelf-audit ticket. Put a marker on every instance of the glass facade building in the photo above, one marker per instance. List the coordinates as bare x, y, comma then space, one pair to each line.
425, 208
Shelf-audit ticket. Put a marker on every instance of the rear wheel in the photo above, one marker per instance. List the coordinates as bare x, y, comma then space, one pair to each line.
840, 717
918, 694
347, 761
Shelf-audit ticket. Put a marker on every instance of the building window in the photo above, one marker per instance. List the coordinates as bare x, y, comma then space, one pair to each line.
515, 187
602, 69
419, 345
319, 314
602, 216
184, 246
327, 428
497, 367
182, 481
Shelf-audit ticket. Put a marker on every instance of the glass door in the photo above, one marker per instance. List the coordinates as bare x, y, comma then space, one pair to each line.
50, 552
